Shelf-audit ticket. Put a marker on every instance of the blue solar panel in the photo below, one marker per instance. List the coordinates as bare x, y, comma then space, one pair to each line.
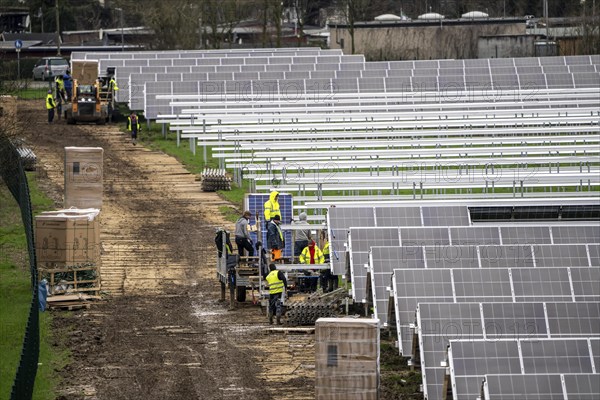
255, 202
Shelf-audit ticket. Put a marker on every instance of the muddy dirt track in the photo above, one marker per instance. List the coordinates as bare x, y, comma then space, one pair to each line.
162, 333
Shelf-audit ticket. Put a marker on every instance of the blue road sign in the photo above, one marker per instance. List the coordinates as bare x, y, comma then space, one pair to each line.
18, 44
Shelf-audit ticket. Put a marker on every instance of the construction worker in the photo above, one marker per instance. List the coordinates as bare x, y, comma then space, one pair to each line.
275, 239
112, 84
312, 254
60, 87
50, 106
242, 236
272, 207
277, 283
68, 82
133, 126
328, 281
302, 236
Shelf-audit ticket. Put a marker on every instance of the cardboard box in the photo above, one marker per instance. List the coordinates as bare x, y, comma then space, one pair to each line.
84, 177
347, 359
68, 237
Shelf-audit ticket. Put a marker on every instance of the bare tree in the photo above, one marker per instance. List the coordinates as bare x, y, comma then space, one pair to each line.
354, 11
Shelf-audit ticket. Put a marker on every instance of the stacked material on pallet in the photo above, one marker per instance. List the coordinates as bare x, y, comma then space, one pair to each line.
68, 251
213, 179
83, 177
318, 305
347, 359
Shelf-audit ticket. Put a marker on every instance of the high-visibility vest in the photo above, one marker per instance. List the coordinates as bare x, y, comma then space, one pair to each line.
129, 124
326, 251
305, 256
275, 284
113, 84
50, 102
60, 84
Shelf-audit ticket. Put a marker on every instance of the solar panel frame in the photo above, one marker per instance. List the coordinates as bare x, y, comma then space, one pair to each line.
255, 203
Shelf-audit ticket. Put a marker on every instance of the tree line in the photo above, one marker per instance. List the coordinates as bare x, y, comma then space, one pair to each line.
177, 22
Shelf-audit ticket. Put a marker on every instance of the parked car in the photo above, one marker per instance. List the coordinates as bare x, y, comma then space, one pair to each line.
49, 67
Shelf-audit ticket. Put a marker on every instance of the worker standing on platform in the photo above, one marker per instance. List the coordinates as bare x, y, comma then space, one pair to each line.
275, 239
277, 284
242, 236
272, 207
328, 280
303, 236
112, 85
311, 254
50, 106
133, 126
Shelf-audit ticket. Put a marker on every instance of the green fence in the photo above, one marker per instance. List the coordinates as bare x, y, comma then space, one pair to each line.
13, 174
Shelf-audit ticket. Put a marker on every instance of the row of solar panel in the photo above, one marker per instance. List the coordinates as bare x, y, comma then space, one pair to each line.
383, 260
168, 54
471, 361
442, 251
359, 79
350, 67
329, 87
541, 387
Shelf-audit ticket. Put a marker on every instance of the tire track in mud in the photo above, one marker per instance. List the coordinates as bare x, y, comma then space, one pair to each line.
162, 333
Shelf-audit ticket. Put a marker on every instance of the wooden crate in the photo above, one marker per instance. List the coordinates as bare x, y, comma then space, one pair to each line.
71, 279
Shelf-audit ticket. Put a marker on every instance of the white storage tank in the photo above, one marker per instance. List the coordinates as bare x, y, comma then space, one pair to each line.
431, 15
474, 15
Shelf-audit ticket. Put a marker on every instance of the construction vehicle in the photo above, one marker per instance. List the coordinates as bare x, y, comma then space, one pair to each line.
86, 105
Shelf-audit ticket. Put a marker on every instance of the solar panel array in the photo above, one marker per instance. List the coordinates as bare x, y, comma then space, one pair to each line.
362, 239
439, 323
473, 282
383, 261
414, 286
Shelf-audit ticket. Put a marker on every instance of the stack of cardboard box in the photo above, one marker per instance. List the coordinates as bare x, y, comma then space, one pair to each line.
347, 359
68, 240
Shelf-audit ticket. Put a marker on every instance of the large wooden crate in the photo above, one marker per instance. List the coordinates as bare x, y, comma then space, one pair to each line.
83, 177
63, 279
347, 359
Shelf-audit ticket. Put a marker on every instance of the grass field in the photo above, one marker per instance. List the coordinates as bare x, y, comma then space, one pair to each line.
15, 298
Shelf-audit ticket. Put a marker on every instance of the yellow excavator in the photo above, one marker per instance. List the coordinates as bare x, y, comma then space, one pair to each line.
87, 104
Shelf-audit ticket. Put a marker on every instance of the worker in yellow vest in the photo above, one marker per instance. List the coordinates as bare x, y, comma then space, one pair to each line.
328, 280
312, 254
50, 106
112, 84
272, 206
277, 284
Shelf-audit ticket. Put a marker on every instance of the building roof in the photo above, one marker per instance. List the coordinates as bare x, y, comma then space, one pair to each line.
45, 38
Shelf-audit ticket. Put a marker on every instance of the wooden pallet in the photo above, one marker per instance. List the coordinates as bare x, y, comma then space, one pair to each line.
71, 301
